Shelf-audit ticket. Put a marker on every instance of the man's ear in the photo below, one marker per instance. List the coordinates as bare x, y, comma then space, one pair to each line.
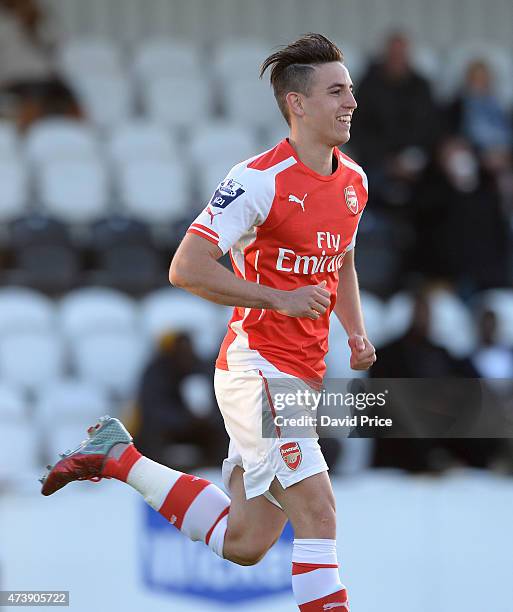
295, 103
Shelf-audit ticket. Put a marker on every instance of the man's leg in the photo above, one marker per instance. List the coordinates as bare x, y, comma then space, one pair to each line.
195, 506
239, 530
310, 506
253, 525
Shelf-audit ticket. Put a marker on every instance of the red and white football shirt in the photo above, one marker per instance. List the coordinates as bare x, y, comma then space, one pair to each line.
285, 226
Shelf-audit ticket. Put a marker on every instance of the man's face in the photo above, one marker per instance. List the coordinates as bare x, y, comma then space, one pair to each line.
328, 110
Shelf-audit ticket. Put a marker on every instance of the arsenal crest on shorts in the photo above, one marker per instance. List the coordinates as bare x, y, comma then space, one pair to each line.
291, 454
351, 199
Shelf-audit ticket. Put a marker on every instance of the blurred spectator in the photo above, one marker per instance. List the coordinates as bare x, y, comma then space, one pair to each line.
397, 123
491, 359
415, 356
29, 87
479, 116
172, 431
462, 231
24, 54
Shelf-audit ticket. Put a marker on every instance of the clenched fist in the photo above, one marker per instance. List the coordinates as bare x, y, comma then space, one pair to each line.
363, 354
310, 301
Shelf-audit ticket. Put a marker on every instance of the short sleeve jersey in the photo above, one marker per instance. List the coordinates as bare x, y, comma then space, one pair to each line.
285, 226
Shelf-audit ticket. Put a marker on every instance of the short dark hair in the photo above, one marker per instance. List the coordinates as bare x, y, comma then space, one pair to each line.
293, 66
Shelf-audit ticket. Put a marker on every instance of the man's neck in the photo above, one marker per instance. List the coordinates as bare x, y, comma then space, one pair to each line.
317, 157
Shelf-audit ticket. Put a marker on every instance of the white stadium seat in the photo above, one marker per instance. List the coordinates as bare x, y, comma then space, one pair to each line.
398, 315
107, 99
61, 436
154, 190
428, 62
177, 101
212, 174
451, 323
162, 57
19, 451
13, 406
71, 400
96, 309
31, 360
25, 310
74, 190
500, 301
354, 59
220, 140
273, 134
60, 139
233, 59
113, 360
141, 140
339, 354
14, 188
8, 139
168, 310
250, 101
89, 55
374, 315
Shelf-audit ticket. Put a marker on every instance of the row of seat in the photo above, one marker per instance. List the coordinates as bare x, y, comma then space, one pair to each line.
105, 336
234, 60
173, 83
174, 87
42, 252
137, 139
98, 333
68, 171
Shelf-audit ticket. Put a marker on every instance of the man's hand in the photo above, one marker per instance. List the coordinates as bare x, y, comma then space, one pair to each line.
363, 354
310, 301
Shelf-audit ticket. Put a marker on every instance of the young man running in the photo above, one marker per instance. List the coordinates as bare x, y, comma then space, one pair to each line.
289, 219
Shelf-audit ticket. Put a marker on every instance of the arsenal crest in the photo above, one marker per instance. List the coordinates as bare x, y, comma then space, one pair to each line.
351, 199
291, 454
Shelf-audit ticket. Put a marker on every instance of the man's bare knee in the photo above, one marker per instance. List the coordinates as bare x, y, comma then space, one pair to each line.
310, 506
238, 550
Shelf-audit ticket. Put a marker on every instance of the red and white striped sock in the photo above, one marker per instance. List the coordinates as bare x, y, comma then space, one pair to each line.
193, 505
315, 580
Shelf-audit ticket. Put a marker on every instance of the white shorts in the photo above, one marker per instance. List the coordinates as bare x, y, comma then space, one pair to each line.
243, 397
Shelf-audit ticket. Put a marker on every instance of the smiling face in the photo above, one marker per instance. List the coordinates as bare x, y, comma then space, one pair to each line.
326, 112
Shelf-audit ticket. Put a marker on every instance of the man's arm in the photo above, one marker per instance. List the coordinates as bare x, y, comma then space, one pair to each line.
349, 312
196, 269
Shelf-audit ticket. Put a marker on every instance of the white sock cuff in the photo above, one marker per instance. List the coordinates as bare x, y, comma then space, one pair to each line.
315, 551
216, 542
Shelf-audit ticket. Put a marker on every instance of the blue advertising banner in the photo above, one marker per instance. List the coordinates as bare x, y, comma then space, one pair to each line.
171, 562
